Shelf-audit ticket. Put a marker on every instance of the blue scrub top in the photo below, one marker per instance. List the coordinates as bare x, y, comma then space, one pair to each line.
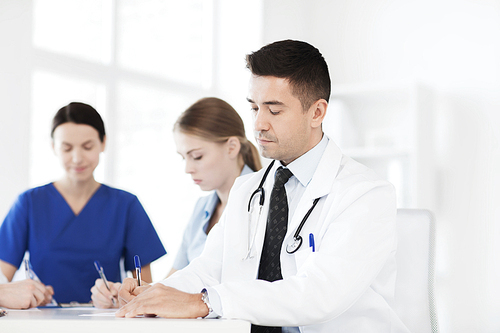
63, 247
195, 234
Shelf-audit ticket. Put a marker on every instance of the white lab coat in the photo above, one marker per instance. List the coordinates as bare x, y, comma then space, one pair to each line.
347, 285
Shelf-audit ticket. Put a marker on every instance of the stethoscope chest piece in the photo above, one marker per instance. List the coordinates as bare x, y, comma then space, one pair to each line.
291, 248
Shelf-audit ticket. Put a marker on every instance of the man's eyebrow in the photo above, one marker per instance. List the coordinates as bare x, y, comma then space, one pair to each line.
274, 103
267, 103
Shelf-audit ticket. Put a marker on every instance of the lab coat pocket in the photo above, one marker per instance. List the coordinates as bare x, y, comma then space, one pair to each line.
303, 257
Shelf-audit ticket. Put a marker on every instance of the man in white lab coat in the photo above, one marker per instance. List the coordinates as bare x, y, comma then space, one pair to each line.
337, 258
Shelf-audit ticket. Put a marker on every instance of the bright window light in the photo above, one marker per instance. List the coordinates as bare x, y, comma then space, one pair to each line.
164, 38
78, 28
140, 63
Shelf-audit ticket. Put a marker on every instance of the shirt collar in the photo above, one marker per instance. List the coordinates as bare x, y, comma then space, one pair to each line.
303, 168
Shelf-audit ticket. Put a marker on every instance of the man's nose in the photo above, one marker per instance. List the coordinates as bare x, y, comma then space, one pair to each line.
260, 122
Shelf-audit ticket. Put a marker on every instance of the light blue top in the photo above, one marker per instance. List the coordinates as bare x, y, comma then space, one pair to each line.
195, 234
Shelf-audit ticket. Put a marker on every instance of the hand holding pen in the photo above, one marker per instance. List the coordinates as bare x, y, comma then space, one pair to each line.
104, 293
24, 294
48, 291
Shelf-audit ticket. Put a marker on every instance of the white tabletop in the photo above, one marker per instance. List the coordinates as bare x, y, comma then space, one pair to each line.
91, 320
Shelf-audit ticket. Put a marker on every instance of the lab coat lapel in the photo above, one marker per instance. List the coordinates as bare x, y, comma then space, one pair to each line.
319, 186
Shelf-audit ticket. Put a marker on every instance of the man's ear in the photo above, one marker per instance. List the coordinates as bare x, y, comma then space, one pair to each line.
318, 113
234, 146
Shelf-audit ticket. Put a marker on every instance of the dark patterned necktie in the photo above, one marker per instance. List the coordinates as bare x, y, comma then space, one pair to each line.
277, 222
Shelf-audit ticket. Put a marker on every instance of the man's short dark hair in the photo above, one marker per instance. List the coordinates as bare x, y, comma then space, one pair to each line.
300, 63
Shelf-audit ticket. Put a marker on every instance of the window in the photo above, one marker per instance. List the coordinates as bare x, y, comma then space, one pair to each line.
140, 64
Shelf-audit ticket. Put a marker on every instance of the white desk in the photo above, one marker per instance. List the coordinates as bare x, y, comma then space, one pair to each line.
70, 320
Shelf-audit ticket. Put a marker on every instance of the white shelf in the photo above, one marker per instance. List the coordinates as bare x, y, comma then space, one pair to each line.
388, 127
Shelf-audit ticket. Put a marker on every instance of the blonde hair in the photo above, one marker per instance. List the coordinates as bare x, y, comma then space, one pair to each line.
215, 120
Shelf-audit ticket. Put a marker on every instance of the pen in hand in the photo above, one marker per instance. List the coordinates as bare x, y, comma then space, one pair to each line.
137, 269
100, 270
30, 274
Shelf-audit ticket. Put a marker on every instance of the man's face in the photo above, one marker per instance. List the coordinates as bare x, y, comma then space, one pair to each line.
282, 130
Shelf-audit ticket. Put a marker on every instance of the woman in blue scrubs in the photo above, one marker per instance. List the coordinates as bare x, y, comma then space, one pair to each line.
68, 224
210, 137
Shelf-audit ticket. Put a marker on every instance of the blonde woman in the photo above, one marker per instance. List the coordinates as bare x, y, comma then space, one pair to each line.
210, 137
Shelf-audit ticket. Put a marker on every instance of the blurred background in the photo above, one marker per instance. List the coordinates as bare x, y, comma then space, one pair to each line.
415, 95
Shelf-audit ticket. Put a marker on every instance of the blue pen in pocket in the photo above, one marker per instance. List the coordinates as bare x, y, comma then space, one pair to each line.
311, 242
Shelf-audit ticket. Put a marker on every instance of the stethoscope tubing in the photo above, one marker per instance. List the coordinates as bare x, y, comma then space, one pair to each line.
296, 236
290, 249
260, 189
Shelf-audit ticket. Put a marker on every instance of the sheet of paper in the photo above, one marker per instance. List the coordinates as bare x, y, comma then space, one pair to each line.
86, 308
31, 309
99, 314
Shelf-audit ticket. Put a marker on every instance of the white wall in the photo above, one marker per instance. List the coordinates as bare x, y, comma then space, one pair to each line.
14, 100
453, 47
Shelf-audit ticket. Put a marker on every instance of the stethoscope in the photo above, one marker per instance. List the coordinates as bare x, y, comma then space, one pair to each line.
297, 239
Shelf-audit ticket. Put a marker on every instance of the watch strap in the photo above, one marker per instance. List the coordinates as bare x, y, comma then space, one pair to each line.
204, 298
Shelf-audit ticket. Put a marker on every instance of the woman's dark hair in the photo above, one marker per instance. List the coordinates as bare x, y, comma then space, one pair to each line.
79, 113
215, 120
300, 63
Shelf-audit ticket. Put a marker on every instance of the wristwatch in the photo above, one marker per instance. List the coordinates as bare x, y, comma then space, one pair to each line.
204, 298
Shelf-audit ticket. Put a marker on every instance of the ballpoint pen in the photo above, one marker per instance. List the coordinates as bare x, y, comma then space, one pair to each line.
311, 242
30, 274
137, 269
100, 270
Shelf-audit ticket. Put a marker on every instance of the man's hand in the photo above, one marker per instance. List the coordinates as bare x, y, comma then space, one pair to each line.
102, 297
165, 302
129, 290
25, 294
